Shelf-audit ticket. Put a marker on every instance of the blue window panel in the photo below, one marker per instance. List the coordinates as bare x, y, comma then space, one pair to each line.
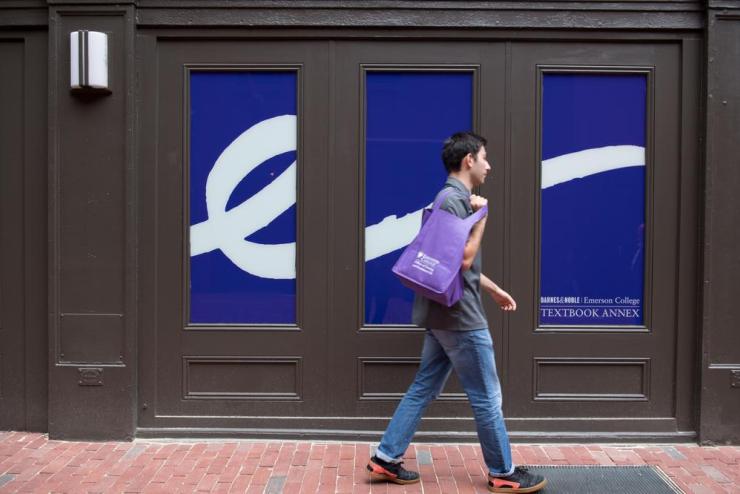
593, 199
409, 115
242, 158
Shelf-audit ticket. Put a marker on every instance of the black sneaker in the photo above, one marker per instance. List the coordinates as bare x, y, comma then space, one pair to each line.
519, 481
392, 472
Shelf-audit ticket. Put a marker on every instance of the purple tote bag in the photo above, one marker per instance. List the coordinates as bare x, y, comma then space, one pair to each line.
430, 264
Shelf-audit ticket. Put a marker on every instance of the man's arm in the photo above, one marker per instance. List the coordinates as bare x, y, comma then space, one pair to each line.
501, 297
476, 234
473, 243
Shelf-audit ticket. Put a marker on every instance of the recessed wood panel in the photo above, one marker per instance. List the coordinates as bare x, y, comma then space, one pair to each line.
12, 302
245, 378
91, 338
591, 379
389, 378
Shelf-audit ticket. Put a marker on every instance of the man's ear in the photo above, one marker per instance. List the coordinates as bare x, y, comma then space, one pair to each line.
468, 160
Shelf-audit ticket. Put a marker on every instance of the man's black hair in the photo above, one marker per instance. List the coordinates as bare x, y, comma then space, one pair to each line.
459, 145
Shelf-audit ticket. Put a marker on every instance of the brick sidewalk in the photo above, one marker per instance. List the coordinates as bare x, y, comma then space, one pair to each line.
30, 462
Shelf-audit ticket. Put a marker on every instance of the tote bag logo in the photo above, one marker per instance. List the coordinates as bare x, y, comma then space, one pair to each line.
425, 263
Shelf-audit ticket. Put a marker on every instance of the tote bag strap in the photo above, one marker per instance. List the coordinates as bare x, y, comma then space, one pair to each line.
475, 217
472, 219
441, 197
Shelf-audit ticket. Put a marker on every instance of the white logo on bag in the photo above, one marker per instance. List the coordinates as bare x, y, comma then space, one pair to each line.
425, 263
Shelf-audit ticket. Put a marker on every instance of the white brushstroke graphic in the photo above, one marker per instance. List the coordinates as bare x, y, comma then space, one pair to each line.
590, 162
227, 230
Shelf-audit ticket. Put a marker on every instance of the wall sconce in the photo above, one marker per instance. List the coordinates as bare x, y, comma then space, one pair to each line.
88, 55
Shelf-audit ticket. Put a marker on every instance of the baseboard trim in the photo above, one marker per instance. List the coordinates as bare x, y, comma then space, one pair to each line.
422, 437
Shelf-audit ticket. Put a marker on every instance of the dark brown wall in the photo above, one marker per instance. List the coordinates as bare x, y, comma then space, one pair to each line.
597, 15
91, 265
720, 393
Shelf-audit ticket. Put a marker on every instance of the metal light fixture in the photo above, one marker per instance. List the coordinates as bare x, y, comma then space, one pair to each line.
88, 52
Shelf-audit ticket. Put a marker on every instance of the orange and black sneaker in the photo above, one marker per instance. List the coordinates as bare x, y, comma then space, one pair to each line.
392, 472
519, 481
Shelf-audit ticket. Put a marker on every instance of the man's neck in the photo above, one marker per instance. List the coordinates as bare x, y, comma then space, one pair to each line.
464, 178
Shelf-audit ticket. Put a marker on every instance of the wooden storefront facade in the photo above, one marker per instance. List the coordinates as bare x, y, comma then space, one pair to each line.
104, 334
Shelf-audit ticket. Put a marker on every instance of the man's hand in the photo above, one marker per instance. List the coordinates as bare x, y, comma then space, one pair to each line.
477, 202
503, 299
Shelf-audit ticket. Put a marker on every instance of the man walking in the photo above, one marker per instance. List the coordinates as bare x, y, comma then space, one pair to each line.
457, 338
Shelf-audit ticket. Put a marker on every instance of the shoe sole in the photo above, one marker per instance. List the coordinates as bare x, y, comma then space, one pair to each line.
388, 478
522, 490
380, 476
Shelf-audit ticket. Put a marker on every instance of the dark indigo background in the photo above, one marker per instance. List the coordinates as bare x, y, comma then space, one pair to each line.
593, 228
409, 115
222, 106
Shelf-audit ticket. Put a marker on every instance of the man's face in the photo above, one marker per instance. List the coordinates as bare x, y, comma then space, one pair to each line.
479, 167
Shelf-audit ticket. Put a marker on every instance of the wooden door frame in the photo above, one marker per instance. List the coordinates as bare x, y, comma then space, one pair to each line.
165, 189
348, 426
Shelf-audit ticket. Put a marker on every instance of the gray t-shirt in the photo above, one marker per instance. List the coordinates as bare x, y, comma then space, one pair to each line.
467, 314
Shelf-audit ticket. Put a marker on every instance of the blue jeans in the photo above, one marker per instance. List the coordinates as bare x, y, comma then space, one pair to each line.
470, 353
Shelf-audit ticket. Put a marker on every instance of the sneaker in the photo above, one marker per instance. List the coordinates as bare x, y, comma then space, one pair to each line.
519, 481
392, 472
